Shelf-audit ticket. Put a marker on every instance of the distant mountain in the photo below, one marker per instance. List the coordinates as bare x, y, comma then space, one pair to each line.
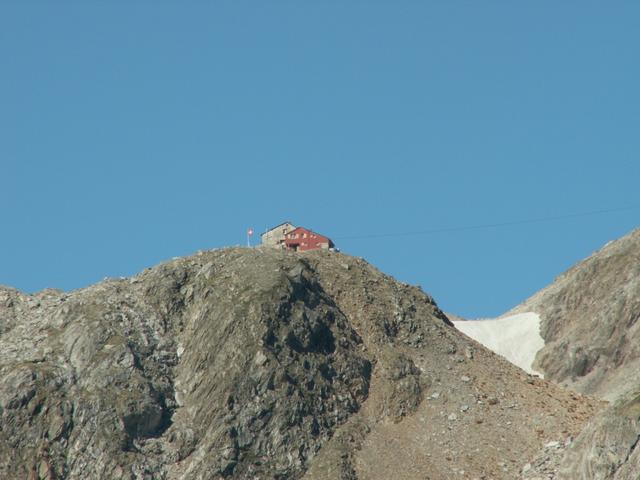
259, 364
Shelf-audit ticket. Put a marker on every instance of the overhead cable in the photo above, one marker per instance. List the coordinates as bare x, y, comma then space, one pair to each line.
485, 225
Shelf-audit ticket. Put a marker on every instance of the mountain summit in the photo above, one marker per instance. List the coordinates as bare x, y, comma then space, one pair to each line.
258, 363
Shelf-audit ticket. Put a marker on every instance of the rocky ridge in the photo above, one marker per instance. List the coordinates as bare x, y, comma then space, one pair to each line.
251, 363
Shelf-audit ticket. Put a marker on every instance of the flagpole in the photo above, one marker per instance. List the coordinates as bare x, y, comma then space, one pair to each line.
249, 233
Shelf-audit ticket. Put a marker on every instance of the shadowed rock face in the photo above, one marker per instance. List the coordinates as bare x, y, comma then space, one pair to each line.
248, 363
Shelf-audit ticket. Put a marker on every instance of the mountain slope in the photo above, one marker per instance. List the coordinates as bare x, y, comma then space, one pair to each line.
590, 321
592, 344
250, 363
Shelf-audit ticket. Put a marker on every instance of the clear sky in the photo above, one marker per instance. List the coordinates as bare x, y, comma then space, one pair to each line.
133, 132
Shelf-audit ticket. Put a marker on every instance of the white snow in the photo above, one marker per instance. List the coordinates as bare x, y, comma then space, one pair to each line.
515, 337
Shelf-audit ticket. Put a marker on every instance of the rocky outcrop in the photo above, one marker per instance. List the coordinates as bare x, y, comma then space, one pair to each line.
248, 363
609, 448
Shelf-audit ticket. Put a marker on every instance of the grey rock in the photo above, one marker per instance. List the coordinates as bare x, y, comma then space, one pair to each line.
609, 448
166, 374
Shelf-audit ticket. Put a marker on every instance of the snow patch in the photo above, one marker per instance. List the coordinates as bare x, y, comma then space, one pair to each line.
515, 337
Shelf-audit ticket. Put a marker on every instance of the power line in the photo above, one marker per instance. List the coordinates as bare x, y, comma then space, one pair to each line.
486, 225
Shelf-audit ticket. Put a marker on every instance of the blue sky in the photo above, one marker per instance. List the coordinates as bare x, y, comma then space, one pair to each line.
133, 132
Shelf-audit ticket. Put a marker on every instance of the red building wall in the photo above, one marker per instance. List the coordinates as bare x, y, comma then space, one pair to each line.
302, 239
